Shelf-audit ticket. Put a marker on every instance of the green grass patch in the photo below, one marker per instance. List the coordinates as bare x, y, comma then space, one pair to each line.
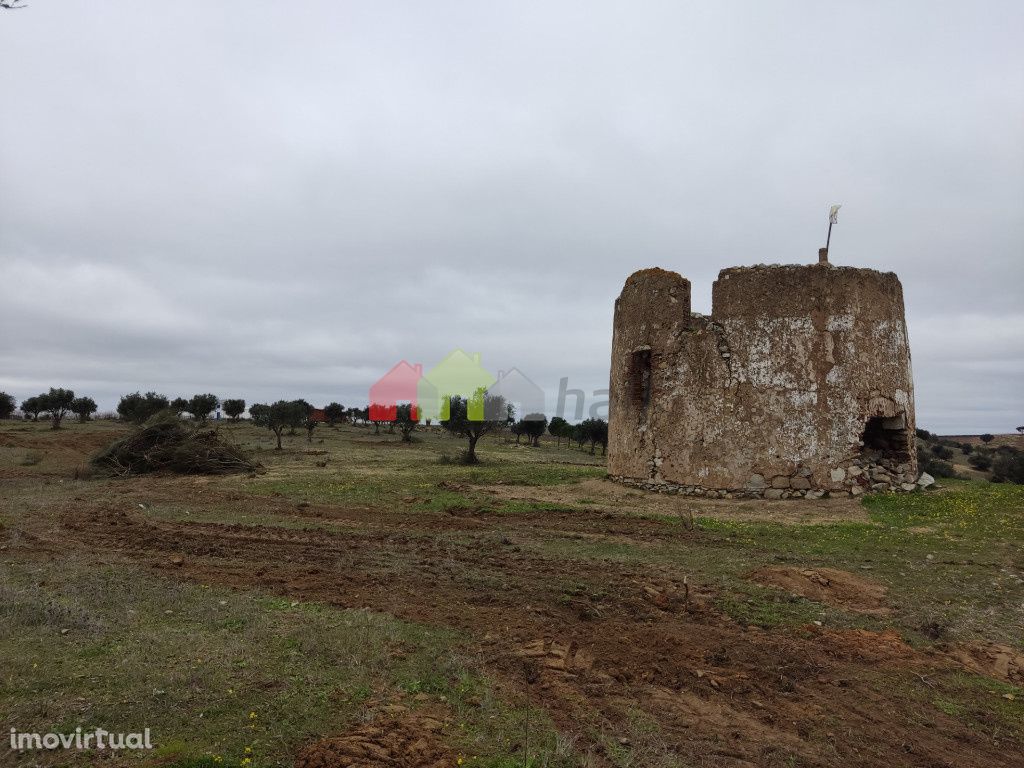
220, 676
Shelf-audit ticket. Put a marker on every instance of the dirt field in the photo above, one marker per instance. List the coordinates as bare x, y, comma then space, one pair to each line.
364, 602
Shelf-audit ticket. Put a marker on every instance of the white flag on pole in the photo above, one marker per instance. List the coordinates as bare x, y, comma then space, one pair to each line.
833, 213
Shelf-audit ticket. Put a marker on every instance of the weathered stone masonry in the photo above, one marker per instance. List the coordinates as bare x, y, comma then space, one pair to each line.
798, 384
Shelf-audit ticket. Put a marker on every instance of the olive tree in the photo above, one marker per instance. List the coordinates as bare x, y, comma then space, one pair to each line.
31, 406
595, 432
57, 402
310, 422
407, 418
137, 407
375, 415
258, 414
201, 406
234, 408
83, 407
559, 427
494, 414
533, 426
334, 412
281, 415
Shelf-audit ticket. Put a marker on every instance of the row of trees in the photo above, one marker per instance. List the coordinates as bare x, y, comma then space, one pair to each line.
293, 414
589, 431
56, 404
138, 407
592, 431
499, 416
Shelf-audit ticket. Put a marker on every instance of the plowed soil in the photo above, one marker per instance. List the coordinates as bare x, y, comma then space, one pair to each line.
593, 642
827, 585
410, 740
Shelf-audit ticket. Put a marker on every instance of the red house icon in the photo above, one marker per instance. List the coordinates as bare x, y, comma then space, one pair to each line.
398, 385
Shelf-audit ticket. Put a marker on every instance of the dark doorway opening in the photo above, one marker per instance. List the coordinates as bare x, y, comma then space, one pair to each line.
885, 440
640, 378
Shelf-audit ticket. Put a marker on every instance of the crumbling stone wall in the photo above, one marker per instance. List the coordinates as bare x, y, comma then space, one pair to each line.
798, 384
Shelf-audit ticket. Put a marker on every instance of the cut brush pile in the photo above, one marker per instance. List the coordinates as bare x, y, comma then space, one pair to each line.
167, 446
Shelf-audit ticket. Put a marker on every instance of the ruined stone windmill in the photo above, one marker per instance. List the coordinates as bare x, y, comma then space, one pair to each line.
798, 384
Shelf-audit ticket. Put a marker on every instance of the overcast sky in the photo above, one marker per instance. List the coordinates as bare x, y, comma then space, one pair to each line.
271, 199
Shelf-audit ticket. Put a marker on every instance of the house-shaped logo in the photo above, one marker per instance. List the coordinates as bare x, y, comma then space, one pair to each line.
458, 374
399, 385
515, 388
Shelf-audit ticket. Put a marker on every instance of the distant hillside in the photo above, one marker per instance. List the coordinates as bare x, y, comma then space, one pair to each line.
1000, 459
1014, 440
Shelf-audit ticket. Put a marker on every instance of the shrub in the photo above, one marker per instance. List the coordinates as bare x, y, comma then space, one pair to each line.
987, 438
980, 461
923, 434
938, 468
31, 458
1008, 469
941, 451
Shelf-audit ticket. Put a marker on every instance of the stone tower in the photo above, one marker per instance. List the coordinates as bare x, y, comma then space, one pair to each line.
798, 384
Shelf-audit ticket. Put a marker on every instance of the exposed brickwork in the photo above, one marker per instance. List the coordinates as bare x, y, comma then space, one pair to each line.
799, 384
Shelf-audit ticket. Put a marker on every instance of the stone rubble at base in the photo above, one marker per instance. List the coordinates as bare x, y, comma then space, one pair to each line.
856, 478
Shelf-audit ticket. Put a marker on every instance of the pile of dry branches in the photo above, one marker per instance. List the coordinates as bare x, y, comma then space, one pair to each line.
168, 446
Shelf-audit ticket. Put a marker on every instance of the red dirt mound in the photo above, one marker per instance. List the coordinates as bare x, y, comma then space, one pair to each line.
407, 741
827, 585
863, 644
998, 661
